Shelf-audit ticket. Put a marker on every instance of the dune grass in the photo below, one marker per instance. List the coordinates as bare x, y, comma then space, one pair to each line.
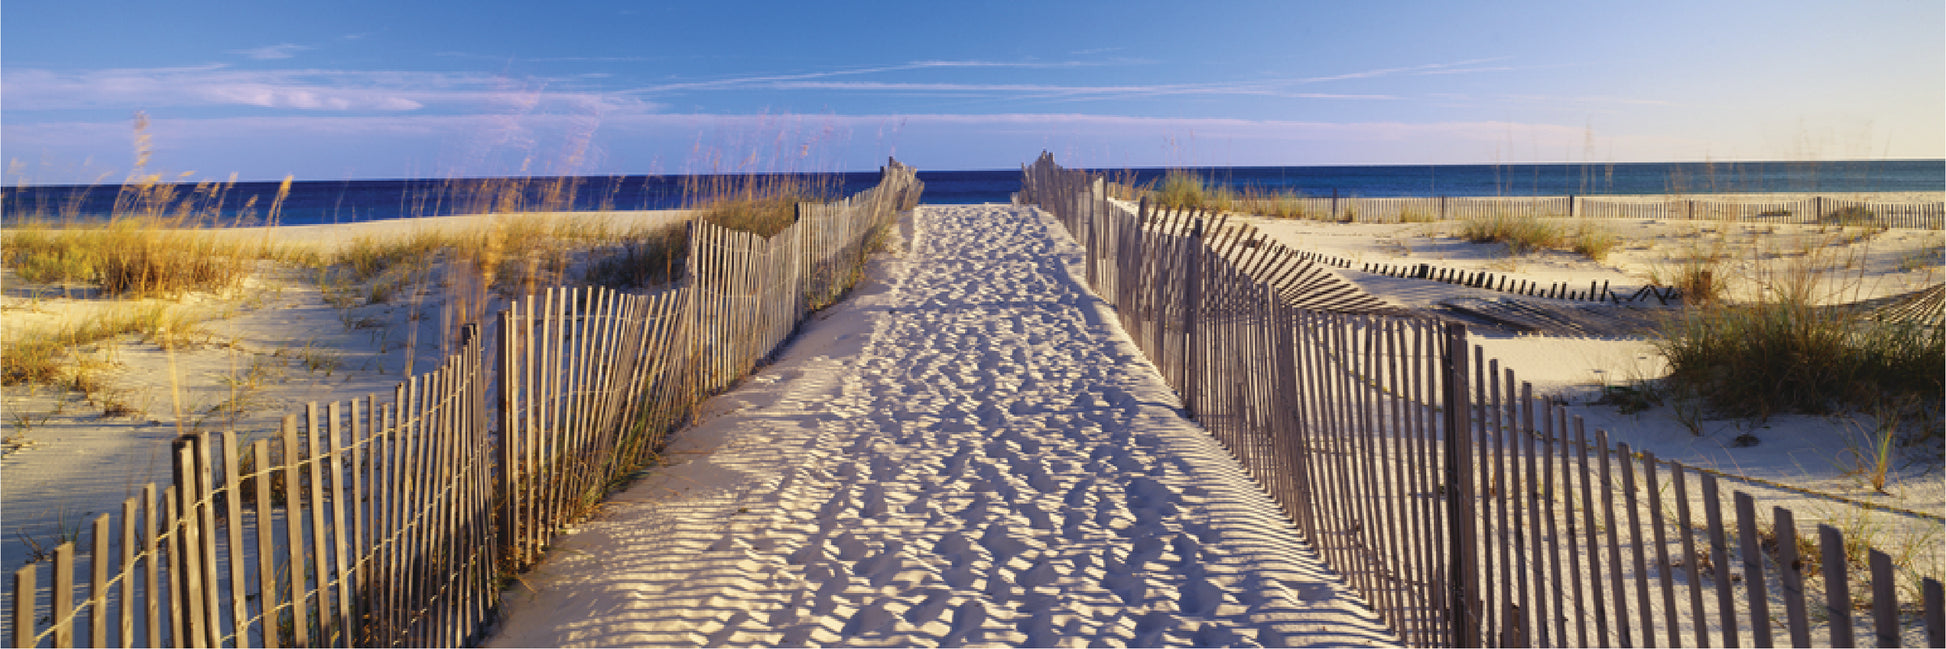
1180, 189
1780, 355
1526, 234
1184, 190
761, 204
1522, 234
1792, 350
44, 355
152, 244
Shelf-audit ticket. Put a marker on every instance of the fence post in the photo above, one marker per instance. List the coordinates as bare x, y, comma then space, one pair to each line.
1192, 309
1464, 586
1098, 194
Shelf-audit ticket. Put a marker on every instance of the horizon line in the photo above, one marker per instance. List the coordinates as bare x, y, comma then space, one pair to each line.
1942, 160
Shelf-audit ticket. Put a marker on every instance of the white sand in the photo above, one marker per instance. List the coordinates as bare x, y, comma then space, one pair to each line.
969, 452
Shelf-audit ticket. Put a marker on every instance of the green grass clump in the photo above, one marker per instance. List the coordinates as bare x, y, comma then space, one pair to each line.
1522, 234
1850, 215
366, 257
647, 257
761, 204
1184, 190
1592, 241
1786, 354
1283, 205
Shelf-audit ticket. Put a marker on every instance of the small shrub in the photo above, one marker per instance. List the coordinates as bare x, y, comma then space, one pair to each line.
1283, 205
1184, 190
1409, 215
1629, 399
1592, 241
1522, 234
1850, 215
761, 204
642, 259
367, 257
1788, 355
35, 360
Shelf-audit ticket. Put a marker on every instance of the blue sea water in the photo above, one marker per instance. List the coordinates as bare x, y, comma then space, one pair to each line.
325, 202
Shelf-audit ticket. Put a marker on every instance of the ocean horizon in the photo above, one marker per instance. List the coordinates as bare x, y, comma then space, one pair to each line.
313, 202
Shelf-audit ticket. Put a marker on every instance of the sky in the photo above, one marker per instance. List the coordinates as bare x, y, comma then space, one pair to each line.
349, 89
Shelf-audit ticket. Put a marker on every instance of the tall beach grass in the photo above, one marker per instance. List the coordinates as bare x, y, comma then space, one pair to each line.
1796, 347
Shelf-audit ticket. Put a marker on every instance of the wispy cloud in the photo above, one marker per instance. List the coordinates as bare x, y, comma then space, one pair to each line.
1453, 67
272, 52
773, 80
1043, 91
300, 90
1584, 101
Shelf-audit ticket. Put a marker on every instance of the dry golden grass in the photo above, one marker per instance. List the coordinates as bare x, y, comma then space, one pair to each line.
43, 355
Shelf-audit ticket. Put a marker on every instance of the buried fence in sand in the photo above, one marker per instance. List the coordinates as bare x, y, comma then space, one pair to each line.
1466, 512
384, 523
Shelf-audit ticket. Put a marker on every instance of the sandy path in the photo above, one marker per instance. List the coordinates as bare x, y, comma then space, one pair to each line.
970, 452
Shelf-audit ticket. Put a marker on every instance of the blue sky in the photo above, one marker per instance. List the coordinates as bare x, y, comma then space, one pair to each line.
349, 89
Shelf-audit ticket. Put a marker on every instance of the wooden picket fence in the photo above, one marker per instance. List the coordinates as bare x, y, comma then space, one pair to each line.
592, 380
1467, 512
364, 523
393, 522
1805, 210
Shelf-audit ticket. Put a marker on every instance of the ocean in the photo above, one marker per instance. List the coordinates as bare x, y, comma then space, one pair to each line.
346, 201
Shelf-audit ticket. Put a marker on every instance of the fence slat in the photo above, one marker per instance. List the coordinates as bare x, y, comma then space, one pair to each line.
152, 568
1885, 602
24, 594
1837, 584
1672, 623
1934, 613
1790, 570
1753, 570
267, 600
128, 571
293, 492
233, 527
1685, 528
98, 585
1720, 549
1618, 591
335, 468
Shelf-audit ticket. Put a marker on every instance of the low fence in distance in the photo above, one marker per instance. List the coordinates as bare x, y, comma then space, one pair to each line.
393, 523
1801, 210
1466, 511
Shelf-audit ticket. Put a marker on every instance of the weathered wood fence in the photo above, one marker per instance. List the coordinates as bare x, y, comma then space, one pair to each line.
1467, 512
1810, 210
394, 522
367, 523
593, 380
